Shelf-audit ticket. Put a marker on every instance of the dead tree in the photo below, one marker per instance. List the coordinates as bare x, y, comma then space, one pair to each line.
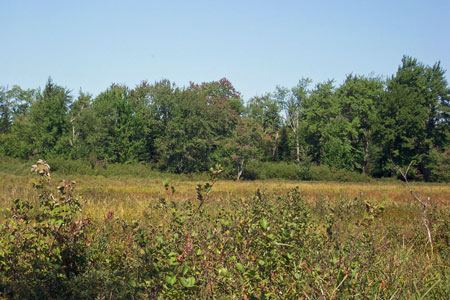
424, 204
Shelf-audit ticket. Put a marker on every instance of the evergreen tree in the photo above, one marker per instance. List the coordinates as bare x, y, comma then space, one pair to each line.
412, 118
48, 120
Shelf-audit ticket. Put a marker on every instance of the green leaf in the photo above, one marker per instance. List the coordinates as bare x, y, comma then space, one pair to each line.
171, 279
187, 282
223, 271
264, 224
185, 271
240, 267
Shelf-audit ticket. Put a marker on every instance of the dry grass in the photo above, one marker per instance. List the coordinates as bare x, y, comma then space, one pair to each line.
381, 245
129, 197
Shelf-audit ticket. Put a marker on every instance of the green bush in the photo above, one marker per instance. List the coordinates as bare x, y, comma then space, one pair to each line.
43, 243
325, 173
269, 170
440, 170
13, 166
303, 171
253, 170
11, 146
70, 167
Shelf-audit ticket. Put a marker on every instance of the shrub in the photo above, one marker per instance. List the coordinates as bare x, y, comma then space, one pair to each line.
270, 170
13, 166
70, 167
43, 243
440, 170
325, 173
303, 171
276, 246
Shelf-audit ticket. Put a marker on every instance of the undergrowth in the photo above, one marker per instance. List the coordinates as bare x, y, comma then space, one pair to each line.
265, 246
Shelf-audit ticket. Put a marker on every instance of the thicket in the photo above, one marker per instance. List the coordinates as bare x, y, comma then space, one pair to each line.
301, 171
258, 247
366, 125
255, 170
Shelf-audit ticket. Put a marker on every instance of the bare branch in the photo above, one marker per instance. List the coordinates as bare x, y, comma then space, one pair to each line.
423, 203
405, 177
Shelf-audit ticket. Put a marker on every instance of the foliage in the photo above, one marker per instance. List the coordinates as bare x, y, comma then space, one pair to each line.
412, 117
48, 123
267, 170
265, 111
365, 125
244, 145
304, 171
358, 97
267, 245
325, 173
43, 243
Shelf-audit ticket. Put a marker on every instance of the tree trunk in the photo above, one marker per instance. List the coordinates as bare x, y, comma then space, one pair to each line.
275, 146
294, 127
72, 140
240, 170
366, 156
297, 146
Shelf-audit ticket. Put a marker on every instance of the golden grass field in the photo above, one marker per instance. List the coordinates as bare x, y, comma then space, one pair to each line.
129, 196
378, 246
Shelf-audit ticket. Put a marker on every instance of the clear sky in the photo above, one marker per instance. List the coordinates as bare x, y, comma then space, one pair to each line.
255, 44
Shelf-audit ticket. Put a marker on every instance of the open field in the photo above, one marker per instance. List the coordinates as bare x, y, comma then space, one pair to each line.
145, 238
128, 196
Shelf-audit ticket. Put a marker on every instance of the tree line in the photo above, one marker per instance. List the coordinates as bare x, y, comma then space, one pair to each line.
367, 124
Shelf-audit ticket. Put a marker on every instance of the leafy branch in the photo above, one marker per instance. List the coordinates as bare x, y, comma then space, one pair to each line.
204, 190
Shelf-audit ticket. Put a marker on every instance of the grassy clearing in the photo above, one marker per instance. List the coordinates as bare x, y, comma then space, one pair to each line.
128, 195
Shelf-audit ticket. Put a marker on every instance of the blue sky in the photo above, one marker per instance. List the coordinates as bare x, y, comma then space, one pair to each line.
255, 44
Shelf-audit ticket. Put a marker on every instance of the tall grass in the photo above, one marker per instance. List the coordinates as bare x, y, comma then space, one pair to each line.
138, 238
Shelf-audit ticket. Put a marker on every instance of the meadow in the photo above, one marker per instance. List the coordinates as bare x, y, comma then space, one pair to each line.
171, 236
